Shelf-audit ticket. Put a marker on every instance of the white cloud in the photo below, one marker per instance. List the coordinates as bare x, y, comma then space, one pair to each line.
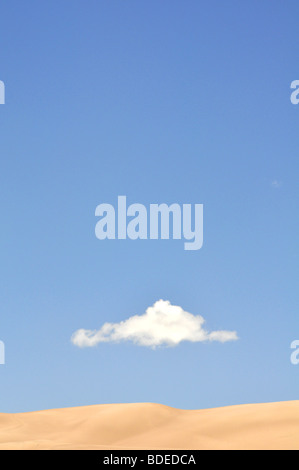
276, 184
162, 324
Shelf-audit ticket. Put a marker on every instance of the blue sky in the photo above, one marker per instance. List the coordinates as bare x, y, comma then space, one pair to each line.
172, 101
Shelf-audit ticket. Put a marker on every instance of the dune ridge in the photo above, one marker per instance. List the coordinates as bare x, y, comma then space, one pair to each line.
152, 426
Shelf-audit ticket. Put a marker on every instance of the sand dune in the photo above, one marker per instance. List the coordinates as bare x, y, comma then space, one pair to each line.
151, 426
